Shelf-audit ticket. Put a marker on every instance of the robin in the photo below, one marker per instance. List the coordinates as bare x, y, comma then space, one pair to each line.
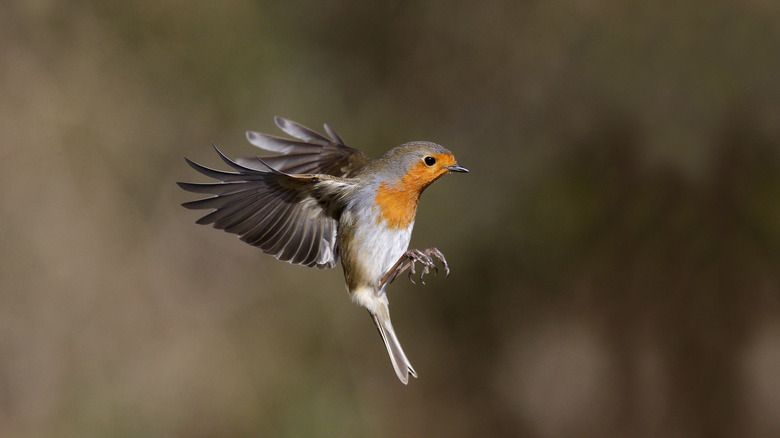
321, 201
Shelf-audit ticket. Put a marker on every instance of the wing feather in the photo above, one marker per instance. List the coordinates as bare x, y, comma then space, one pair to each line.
310, 153
292, 217
333, 135
295, 129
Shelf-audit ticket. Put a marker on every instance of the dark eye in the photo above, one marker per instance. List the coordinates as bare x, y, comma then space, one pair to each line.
429, 161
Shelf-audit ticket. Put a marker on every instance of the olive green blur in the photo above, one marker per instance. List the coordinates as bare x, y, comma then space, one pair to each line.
615, 248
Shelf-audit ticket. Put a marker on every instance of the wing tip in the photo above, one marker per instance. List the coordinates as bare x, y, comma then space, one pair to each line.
281, 122
253, 136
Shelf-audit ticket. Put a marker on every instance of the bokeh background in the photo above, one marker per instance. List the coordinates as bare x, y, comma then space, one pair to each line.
615, 248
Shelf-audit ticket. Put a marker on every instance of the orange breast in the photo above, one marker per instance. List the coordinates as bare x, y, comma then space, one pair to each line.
397, 206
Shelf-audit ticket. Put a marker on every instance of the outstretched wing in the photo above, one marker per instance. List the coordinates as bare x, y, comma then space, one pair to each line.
311, 153
291, 217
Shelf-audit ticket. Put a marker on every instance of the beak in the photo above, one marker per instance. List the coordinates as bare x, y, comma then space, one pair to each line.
457, 168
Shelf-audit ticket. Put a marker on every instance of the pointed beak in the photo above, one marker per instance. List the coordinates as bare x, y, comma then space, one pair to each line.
457, 168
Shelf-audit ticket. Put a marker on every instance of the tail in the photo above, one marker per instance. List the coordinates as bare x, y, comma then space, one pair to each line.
401, 364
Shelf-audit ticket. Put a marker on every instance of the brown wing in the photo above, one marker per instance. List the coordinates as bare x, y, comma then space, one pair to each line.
290, 217
311, 153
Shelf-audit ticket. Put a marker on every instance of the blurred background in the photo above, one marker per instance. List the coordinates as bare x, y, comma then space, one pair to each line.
615, 248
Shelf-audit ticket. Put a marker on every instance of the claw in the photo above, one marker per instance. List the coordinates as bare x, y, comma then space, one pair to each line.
440, 256
410, 259
428, 264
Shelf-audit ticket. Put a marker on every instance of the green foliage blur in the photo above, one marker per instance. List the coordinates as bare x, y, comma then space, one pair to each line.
615, 250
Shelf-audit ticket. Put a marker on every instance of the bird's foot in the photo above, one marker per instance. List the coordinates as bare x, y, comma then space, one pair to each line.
408, 261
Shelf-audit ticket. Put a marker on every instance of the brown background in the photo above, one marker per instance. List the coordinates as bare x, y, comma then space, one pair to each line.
614, 249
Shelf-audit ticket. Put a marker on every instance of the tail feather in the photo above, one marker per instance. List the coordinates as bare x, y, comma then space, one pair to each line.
403, 368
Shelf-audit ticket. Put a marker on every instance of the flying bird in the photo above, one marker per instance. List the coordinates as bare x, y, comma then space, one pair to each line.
320, 201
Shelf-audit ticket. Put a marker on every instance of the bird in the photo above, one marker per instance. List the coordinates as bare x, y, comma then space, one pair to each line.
320, 201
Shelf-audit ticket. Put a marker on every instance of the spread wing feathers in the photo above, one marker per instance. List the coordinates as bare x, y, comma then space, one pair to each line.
285, 215
311, 153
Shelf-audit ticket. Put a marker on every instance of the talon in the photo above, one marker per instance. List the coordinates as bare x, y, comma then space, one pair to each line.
425, 271
408, 261
435, 252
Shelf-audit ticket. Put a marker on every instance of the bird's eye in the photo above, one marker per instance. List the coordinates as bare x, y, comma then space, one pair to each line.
429, 161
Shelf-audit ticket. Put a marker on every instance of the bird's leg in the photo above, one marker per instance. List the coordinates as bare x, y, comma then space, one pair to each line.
408, 260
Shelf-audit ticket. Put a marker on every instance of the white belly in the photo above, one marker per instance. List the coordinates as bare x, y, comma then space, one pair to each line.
380, 249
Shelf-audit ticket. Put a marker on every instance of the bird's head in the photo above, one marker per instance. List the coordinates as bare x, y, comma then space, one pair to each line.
416, 165
403, 173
